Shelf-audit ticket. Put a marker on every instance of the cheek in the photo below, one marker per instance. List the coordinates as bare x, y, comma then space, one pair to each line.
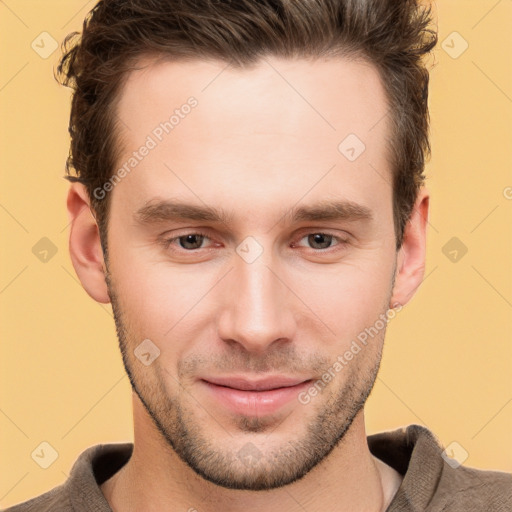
350, 296
157, 298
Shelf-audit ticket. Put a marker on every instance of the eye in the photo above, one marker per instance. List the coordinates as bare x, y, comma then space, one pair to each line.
193, 241
187, 242
322, 241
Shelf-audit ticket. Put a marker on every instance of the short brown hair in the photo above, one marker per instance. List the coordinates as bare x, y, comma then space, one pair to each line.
393, 35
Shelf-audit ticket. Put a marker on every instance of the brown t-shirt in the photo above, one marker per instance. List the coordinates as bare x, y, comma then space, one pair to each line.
430, 483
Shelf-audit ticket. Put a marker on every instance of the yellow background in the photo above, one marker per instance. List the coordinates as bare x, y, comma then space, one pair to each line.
448, 357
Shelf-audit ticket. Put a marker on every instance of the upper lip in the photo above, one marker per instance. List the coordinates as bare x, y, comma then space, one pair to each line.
243, 383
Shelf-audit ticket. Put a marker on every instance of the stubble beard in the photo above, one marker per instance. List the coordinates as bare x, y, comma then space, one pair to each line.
246, 467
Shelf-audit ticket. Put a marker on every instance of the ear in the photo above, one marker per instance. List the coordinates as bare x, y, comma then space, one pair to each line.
84, 244
411, 256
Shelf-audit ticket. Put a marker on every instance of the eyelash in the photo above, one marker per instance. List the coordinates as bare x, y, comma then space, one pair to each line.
168, 241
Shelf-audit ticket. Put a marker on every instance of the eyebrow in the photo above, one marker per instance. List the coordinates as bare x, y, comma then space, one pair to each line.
170, 210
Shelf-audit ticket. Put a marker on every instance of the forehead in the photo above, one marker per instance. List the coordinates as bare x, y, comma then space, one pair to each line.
280, 123
280, 95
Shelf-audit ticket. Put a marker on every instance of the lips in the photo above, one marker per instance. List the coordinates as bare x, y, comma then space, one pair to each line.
260, 397
245, 384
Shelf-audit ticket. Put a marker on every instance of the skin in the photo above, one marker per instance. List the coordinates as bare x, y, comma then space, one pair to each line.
256, 148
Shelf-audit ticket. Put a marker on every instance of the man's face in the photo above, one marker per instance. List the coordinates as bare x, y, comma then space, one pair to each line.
263, 292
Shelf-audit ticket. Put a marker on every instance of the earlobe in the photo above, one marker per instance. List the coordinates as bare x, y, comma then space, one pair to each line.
410, 267
85, 245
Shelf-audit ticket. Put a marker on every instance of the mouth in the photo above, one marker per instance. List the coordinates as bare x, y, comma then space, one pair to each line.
254, 397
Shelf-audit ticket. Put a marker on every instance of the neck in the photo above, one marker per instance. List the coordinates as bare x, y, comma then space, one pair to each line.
156, 479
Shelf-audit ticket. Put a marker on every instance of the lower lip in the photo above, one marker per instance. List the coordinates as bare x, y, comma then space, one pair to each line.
254, 403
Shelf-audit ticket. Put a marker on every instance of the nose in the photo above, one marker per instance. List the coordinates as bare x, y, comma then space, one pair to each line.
257, 306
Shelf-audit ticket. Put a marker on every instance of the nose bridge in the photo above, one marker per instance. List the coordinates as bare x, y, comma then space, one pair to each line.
256, 313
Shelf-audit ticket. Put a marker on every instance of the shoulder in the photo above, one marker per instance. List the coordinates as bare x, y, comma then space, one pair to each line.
54, 500
433, 481
81, 491
465, 488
